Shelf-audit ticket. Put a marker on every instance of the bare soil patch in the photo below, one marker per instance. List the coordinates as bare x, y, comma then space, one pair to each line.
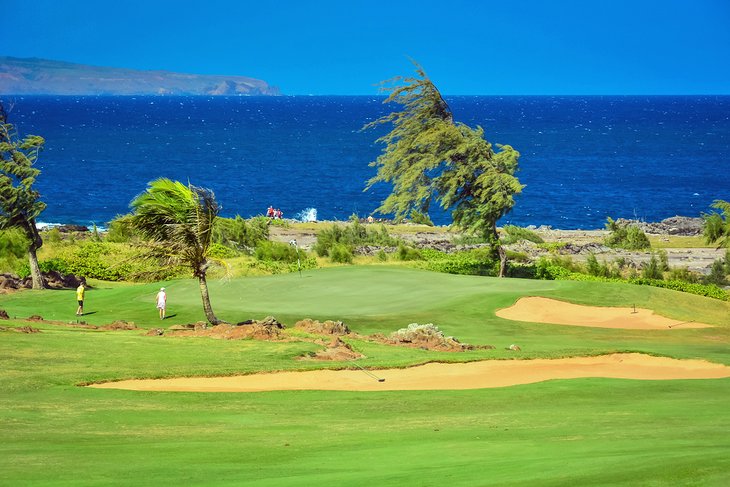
439, 376
544, 310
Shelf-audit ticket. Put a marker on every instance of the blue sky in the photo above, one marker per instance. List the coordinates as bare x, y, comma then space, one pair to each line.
347, 46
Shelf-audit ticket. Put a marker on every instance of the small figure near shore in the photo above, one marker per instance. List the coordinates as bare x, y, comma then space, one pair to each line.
162, 302
80, 291
270, 212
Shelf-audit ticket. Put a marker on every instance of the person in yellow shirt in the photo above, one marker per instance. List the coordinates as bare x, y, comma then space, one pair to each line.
80, 298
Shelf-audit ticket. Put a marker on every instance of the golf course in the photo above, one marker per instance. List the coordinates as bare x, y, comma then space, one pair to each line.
598, 424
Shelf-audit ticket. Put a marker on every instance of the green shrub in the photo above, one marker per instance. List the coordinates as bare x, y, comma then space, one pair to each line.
717, 275
514, 257
13, 250
628, 237
53, 236
601, 269
549, 269
267, 250
405, 253
280, 267
240, 234
652, 269
516, 234
477, 262
683, 274
352, 235
341, 253
220, 251
120, 230
382, 256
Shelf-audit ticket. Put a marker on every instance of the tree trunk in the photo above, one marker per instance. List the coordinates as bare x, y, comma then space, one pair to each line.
207, 308
496, 248
35, 270
502, 260
35, 243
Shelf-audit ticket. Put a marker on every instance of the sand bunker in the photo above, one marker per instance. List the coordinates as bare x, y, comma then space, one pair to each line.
544, 310
472, 375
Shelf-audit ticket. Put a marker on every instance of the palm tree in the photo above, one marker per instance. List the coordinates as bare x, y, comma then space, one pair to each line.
717, 226
178, 220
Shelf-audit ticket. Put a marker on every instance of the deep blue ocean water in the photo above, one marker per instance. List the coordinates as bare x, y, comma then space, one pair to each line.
583, 158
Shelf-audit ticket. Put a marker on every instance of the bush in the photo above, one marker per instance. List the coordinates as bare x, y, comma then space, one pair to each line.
550, 270
275, 251
352, 235
717, 274
53, 236
13, 250
652, 269
219, 251
239, 234
601, 269
516, 234
628, 237
477, 262
341, 253
405, 253
121, 230
683, 274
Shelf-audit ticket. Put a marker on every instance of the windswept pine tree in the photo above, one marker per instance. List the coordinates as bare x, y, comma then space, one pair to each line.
20, 203
428, 157
178, 220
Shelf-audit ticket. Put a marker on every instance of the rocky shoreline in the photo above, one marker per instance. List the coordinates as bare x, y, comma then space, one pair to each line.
577, 244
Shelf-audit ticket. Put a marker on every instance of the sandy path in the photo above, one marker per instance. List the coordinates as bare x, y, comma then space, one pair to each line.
472, 375
544, 310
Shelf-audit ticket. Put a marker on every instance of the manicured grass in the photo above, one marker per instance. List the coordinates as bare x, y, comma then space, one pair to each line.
679, 242
563, 432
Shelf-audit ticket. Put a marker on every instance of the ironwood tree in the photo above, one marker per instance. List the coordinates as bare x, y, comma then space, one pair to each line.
20, 203
430, 158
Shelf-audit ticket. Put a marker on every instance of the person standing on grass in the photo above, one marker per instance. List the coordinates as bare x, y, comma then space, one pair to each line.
80, 298
162, 302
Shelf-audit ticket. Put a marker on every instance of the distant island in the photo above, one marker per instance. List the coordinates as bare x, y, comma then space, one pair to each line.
33, 76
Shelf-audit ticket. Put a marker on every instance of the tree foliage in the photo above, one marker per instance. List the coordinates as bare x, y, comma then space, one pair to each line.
178, 219
20, 202
716, 228
428, 157
629, 237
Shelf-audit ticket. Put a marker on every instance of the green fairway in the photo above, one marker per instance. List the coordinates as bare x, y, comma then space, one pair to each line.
563, 432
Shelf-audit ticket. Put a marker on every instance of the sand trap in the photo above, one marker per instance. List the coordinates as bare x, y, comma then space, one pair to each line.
544, 310
472, 375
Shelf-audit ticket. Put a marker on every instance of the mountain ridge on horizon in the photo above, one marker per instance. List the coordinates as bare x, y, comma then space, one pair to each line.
37, 76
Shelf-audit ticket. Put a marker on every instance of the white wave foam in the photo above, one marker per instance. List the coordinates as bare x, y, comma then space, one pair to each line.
307, 215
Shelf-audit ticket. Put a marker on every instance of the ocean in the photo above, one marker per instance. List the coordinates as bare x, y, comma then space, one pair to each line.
583, 159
